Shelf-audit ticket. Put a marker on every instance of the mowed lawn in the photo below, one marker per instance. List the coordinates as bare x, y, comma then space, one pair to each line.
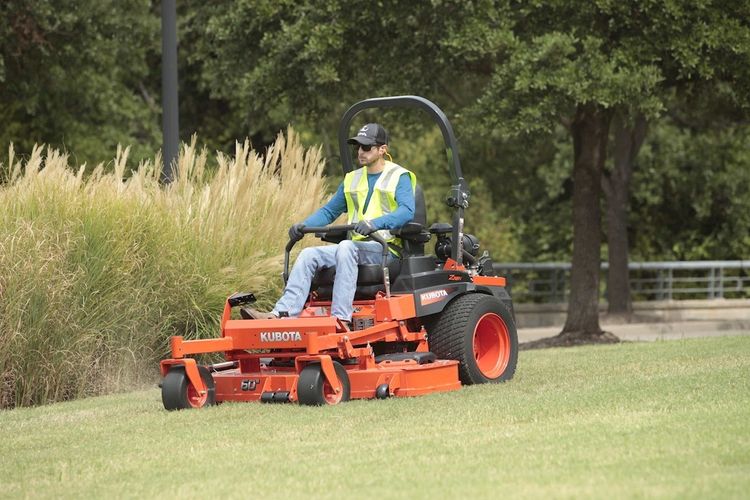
665, 419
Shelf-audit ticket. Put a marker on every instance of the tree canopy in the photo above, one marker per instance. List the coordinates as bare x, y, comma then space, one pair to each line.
532, 89
77, 73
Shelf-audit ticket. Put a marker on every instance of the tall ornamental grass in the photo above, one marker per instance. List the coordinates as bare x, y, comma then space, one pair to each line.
98, 269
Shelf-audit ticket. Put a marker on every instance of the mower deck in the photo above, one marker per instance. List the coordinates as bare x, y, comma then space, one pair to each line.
403, 378
266, 358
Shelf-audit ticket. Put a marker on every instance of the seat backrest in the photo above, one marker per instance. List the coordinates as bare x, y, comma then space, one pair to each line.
420, 209
414, 242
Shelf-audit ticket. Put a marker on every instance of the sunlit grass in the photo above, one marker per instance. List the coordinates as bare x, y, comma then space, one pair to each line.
99, 267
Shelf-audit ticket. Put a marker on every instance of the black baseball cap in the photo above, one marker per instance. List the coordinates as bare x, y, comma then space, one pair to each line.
370, 134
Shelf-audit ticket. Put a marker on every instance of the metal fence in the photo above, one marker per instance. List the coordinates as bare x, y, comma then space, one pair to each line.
708, 279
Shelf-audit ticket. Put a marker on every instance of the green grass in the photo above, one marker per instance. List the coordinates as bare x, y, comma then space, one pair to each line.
666, 419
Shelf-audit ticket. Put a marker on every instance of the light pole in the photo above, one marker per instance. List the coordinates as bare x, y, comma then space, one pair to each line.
170, 112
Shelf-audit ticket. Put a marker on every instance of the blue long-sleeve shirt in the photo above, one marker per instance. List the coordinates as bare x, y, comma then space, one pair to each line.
394, 220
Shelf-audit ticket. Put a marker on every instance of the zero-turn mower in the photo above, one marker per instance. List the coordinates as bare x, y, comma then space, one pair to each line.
421, 324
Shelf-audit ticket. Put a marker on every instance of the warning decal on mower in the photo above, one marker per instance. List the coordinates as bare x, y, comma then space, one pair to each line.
432, 297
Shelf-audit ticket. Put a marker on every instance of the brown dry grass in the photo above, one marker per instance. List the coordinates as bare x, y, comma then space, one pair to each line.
98, 269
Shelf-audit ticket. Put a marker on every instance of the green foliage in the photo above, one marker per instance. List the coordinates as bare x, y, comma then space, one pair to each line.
692, 200
312, 60
75, 73
615, 54
508, 75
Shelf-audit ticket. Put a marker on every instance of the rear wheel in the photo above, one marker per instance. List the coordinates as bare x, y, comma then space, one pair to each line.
478, 331
313, 388
177, 393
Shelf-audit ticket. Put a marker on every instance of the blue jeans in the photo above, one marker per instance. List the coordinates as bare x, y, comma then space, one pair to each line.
345, 256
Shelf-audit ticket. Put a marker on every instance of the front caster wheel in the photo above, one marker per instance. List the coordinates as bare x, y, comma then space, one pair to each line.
313, 388
177, 393
382, 391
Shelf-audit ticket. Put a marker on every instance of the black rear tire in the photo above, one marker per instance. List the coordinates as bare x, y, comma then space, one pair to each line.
177, 393
478, 331
314, 390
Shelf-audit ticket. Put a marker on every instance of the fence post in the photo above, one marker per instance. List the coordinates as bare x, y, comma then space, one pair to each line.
660, 284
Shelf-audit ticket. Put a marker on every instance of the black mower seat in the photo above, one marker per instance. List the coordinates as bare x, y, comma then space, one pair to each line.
369, 280
368, 274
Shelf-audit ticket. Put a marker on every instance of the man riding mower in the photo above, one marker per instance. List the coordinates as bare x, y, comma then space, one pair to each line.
410, 324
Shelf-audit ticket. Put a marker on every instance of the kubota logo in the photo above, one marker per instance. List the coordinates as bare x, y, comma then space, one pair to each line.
279, 336
432, 297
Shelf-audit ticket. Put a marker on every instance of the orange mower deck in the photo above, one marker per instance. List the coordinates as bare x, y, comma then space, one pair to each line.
284, 347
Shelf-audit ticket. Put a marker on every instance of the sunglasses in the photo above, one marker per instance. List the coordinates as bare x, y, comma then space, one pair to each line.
366, 148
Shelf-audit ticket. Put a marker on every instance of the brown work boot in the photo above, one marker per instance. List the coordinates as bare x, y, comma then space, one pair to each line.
250, 313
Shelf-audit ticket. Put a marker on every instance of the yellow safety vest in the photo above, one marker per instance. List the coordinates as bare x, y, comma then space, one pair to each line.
382, 201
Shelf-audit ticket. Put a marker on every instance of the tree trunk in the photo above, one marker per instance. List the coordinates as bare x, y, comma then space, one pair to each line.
629, 138
590, 131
